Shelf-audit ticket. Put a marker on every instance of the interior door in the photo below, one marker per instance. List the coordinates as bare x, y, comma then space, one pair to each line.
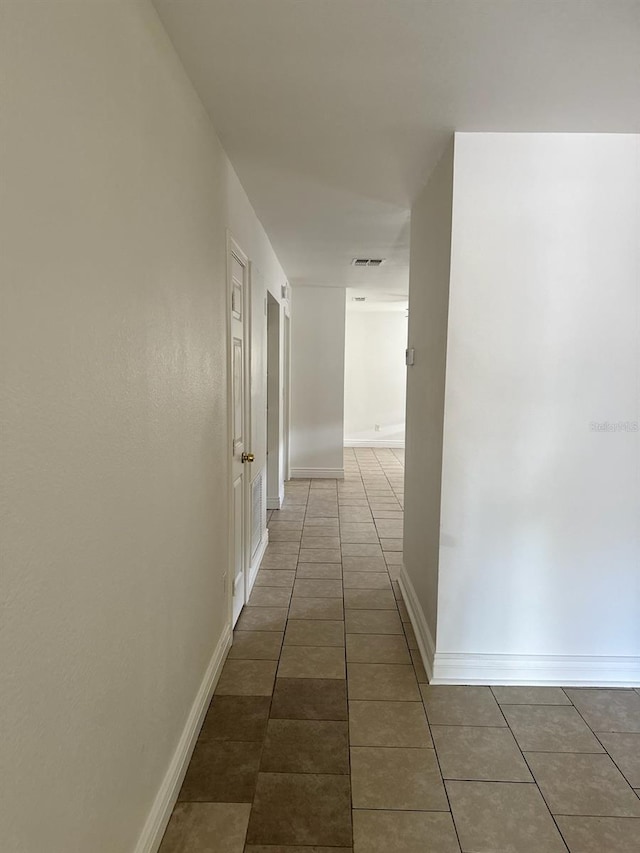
241, 457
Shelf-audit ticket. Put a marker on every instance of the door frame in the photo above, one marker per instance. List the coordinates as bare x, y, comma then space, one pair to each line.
234, 248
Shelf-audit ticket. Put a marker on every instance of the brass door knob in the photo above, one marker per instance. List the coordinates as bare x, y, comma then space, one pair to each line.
248, 457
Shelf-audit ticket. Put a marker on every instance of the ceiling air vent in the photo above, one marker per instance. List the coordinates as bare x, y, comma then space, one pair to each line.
359, 298
367, 262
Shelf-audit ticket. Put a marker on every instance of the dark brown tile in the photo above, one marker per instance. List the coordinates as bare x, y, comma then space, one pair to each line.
306, 746
309, 699
204, 827
303, 809
237, 718
222, 772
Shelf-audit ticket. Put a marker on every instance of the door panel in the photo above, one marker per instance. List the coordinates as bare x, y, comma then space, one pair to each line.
240, 420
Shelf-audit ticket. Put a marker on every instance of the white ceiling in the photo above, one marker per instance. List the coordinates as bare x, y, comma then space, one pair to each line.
333, 112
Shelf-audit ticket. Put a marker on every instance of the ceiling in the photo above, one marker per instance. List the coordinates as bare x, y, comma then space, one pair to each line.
334, 112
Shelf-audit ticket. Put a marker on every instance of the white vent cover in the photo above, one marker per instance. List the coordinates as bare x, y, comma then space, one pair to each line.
367, 262
359, 298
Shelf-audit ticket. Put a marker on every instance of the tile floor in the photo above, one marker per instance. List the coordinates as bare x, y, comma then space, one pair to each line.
324, 737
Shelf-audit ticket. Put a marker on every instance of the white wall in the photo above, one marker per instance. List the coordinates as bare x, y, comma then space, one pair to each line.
539, 565
428, 307
375, 377
541, 513
317, 381
115, 200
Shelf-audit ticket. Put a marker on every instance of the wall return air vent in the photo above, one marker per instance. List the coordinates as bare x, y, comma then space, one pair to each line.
367, 262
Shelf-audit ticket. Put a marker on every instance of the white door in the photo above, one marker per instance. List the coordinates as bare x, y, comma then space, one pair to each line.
241, 456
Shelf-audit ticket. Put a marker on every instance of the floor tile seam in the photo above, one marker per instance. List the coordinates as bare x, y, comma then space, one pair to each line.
544, 799
595, 734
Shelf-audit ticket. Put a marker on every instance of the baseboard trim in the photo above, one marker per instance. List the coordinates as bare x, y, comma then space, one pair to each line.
424, 637
536, 670
373, 442
319, 473
156, 824
274, 503
257, 560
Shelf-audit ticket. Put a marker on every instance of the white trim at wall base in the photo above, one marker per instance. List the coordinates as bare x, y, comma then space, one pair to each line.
156, 824
424, 637
373, 442
255, 566
274, 503
536, 670
320, 473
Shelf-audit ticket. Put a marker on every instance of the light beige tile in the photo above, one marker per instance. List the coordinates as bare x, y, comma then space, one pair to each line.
366, 580
262, 619
373, 622
247, 678
625, 751
461, 706
314, 632
377, 648
394, 571
205, 827
358, 534
600, 834
364, 564
317, 588
276, 534
256, 645
319, 521
321, 531
607, 710
315, 542
395, 682
391, 544
550, 728
316, 608
530, 696
323, 571
373, 723
320, 555
269, 596
580, 784
502, 816
280, 548
280, 562
361, 550
393, 558
270, 578
382, 831
311, 662
480, 753
369, 599
398, 778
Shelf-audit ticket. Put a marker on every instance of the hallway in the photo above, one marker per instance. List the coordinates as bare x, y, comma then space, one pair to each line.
317, 738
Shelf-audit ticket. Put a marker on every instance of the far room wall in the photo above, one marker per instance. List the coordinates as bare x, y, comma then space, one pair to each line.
375, 376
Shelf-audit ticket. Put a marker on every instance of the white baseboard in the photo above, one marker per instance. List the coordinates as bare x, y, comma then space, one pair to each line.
373, 442
426, 644
274, 503
537, 670
257, 560
154, 828
320, 473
